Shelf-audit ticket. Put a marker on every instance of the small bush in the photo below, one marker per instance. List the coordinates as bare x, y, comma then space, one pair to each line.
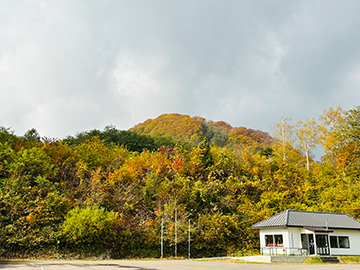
89, 227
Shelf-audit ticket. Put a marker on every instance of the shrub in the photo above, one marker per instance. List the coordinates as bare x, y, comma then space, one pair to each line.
91, 226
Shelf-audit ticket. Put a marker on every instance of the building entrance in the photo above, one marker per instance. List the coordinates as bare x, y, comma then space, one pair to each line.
307, 242
322, 244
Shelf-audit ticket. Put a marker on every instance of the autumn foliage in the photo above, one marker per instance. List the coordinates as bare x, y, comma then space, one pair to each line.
105, 192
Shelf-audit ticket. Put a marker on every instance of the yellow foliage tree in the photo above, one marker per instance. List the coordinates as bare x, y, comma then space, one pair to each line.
307, 134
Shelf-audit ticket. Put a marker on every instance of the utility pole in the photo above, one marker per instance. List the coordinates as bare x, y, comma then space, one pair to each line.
189, 238
162, 237
175, 232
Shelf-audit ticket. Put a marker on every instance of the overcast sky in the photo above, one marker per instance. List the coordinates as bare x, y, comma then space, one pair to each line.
74, 65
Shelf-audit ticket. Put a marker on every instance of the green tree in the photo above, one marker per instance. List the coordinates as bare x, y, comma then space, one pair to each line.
32, 135
348, 149
205, 155
111, 136
90, 227
8, 136
31, 206
215, 135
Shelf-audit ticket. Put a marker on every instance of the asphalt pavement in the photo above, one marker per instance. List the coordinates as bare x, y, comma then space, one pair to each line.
162, 265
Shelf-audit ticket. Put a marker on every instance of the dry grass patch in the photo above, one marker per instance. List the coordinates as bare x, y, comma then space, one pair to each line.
350, 259
313, 260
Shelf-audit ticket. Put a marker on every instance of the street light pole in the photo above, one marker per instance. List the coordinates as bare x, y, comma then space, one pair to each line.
175, 232
189, 238
162, 237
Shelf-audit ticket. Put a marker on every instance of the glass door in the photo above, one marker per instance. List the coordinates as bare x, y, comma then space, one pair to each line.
322, 244
307, 242
304, 241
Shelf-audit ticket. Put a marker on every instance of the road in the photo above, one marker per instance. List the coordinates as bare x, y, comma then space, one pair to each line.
162, 265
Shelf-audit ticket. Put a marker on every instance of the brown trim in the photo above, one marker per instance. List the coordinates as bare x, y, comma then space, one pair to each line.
313, 229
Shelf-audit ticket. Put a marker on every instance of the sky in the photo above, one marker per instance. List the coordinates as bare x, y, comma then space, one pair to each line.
68, 66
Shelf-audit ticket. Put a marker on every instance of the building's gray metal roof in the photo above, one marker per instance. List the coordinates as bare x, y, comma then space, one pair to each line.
295, 218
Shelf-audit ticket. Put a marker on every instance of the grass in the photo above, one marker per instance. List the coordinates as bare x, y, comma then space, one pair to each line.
313, 260
350, 259
240, 253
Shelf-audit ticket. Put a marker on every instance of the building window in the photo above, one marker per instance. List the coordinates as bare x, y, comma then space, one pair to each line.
334, 242
339, 242
344, 242
269, 240
279, 240
274, 240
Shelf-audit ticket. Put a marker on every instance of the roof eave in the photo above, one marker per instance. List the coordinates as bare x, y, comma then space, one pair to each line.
298, 226
266, 227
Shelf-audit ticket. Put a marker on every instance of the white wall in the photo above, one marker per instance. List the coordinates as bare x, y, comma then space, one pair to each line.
285, 232
354, 238
296, 237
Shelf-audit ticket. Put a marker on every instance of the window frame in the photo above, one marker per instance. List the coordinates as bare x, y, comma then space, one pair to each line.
273, 238
282, 240
269, 243
338, 241
348, 241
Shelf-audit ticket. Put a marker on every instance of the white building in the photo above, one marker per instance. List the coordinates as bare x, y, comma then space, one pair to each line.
309, 233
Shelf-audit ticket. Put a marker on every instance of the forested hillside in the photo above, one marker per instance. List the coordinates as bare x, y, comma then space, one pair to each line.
105, 192
193, 129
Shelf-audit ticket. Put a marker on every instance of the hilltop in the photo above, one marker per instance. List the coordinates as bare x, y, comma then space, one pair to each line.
193, 129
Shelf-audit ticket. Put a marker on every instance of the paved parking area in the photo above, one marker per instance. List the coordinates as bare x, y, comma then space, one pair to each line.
161, 265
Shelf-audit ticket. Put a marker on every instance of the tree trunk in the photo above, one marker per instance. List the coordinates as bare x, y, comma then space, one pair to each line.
307, 160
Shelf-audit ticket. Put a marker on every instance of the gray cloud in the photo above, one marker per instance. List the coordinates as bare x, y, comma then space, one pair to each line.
68, 66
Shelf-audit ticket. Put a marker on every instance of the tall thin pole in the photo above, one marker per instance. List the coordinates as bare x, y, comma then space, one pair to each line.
162, 237
175, 232
326, 222
189, 238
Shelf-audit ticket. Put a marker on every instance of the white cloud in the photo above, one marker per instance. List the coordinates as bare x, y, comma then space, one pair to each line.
68, 66
135, 81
